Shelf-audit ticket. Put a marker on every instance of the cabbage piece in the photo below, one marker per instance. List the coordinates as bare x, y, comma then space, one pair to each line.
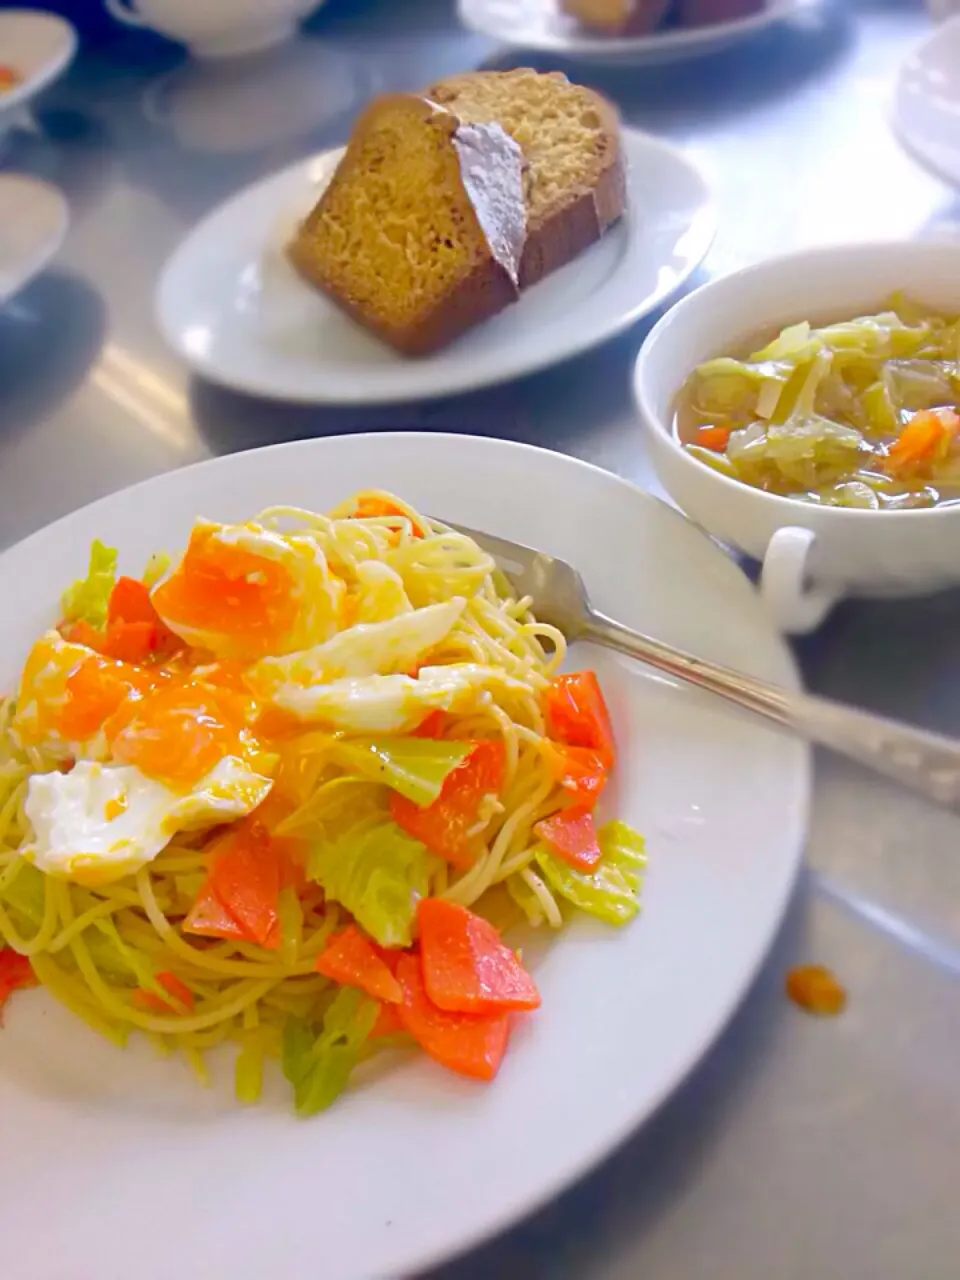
378, 873
23, 896
416, 767
803, 453
852, 493
879, 410
611, 891
910, 312
917, 384
711, 458
733, 389
881, 335
86, 600
318, 1065
912, 500
525, 899
795, 343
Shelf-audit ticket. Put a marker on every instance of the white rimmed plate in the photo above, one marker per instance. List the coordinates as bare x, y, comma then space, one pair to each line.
925, 111
125, 1168
33, 221
540, 25
234, 308
39, 46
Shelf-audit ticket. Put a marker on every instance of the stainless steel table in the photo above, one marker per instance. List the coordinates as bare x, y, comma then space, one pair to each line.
798, 1148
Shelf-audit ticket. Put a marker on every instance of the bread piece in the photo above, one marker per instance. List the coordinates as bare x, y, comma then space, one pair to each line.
420, 233
617, 17
574, 181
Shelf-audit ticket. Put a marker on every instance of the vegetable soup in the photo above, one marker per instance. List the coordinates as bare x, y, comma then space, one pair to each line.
860, 413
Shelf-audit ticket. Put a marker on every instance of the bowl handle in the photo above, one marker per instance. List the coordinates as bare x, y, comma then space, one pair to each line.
794, 605
119, 10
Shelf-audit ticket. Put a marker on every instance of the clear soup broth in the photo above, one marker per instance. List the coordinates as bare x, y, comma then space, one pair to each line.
858, 413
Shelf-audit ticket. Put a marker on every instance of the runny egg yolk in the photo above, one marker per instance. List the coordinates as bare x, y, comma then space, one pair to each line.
94, 691
229, 590
179, 731
115, 806
66, 692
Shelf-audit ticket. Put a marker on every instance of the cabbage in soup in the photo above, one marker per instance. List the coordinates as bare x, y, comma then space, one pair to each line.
862, 413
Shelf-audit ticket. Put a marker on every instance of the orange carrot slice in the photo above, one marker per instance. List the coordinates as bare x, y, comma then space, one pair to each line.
470, 1044
445, 826
134, 631
150, 1002
920, 438
210, 918
432, 725
579, 770
467, 968
715, 438
351, 959
388, 1023
577, 714
240, 896
16, 972
572, 835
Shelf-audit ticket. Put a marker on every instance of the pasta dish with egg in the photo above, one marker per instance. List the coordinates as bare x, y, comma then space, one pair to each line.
288, 791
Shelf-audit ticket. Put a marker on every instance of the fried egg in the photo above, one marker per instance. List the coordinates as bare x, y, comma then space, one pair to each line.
100, 821
242, 591
66, 694
368, 649
392, 703
379, 593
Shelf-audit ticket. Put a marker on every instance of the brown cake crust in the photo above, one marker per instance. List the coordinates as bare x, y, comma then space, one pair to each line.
482, 208
560, 227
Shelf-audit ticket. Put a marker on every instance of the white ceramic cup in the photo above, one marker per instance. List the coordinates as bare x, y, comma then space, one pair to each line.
812, 556
217, 28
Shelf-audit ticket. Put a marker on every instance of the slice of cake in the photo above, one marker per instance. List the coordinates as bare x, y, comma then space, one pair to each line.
617, 17
420, 233
574, 181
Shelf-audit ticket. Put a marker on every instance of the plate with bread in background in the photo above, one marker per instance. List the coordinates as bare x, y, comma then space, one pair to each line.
490, 226
637, 32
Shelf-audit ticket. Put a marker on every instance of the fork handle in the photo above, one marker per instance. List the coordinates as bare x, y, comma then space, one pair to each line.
925, 762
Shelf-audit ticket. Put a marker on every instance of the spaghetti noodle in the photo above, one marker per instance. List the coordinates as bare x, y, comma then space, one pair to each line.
124, 952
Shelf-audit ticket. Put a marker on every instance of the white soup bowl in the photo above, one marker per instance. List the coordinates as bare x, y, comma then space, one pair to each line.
217, 28
812, 556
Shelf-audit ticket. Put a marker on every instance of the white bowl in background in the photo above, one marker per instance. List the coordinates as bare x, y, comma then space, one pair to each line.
925, 109
217, 28
812, 556
39, 46
33, 222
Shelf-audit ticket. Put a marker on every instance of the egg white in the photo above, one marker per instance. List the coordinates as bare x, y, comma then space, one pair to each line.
102, 821
370, 648
379, 592
392, 703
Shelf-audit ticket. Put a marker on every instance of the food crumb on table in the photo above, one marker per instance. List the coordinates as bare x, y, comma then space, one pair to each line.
816, 990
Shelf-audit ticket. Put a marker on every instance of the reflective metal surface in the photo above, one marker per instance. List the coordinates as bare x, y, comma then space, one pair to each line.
799, 1148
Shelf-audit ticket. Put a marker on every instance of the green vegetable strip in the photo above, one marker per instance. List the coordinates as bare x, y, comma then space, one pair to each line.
86, 600
611, 891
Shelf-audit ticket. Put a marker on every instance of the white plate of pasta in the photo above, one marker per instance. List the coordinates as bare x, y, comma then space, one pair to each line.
298, 801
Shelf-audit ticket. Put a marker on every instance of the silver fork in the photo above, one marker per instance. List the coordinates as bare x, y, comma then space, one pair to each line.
925, 762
